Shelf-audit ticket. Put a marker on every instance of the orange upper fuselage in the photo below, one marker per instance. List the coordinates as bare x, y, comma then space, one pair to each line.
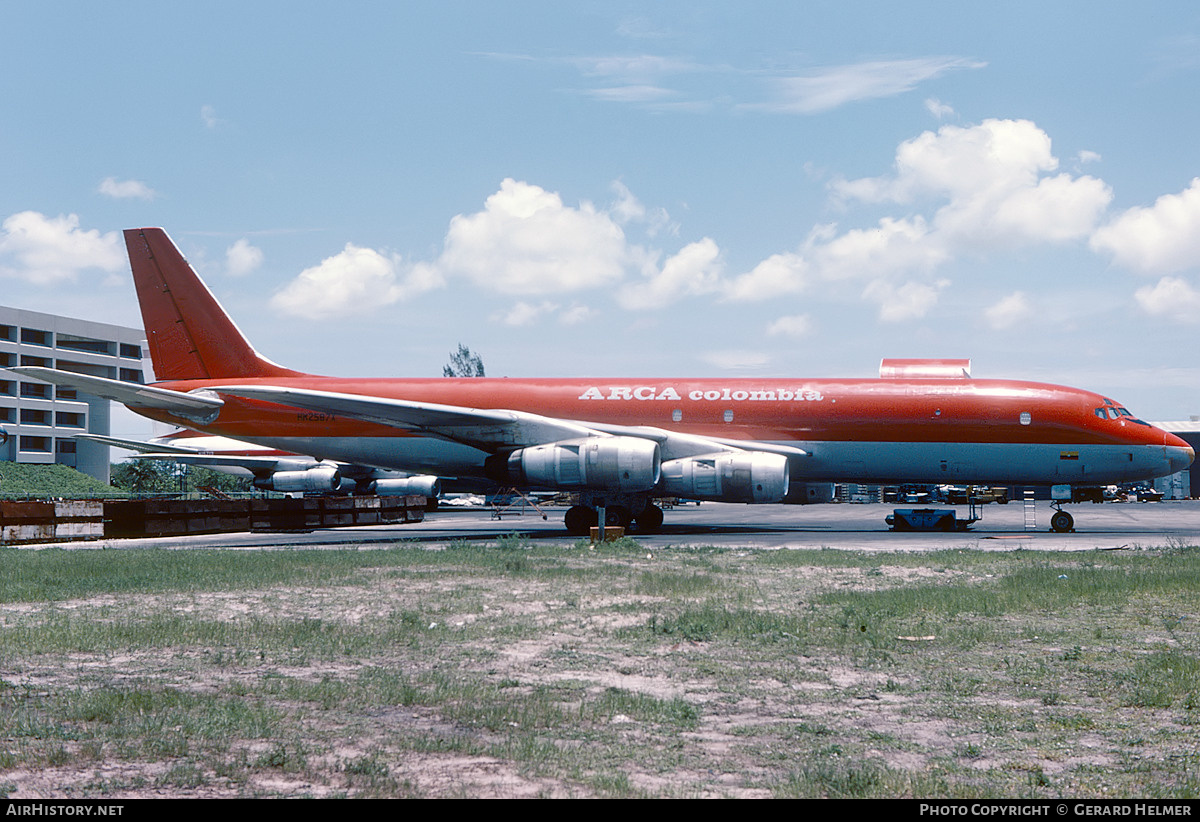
773, 410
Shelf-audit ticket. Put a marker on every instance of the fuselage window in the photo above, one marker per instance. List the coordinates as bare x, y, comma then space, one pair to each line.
1026, 418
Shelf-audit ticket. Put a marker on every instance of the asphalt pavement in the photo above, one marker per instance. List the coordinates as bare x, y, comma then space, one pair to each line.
844, 526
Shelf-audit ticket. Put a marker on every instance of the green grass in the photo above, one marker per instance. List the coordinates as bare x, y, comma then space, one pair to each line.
616, 672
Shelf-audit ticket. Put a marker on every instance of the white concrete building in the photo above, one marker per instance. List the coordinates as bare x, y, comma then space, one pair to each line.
40, 420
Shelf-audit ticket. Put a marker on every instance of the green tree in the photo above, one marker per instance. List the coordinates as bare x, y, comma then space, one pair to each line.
143, 477
165, 477
464, 364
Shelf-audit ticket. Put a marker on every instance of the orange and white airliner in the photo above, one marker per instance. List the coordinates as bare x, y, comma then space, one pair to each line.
620, 443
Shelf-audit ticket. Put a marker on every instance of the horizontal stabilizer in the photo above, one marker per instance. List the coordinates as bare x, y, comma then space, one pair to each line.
157, 448
256, 465
136, 395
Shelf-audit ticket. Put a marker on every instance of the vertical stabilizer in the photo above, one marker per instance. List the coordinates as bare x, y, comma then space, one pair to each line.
189, 334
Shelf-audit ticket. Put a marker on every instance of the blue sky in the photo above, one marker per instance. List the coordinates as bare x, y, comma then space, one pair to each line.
636, 189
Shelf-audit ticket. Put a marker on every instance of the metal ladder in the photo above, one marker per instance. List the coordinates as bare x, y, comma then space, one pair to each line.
1030, 511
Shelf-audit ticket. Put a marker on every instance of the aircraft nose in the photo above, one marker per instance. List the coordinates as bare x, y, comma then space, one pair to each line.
1180, 458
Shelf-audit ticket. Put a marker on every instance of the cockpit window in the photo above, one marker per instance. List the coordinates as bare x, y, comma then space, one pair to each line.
1112, 411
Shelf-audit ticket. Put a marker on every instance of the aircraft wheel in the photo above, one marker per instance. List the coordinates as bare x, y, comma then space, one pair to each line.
618, 516
1062, 522
650, 520
579, 520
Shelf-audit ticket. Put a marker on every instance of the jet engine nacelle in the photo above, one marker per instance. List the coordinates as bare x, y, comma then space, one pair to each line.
600, 463
750, 476
425, 486
314, 479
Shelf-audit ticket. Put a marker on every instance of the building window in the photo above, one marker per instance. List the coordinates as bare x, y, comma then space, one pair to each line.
69, 419
132, 352
8, 414
66, 446
131, 375
32, 336
37, 391
32, 416
7, 332
87, 344
38, 444
44, 362
8, 388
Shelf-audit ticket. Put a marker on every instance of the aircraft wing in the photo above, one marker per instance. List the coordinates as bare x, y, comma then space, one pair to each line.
490, 430
676, 445
191, 406
487, 429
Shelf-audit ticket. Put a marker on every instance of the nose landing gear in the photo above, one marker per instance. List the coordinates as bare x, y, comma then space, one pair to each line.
1061, 522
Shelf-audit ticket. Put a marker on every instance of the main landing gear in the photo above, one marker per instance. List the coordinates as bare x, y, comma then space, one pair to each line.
580, 518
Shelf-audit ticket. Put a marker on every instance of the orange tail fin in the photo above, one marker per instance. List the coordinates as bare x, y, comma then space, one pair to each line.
189, 334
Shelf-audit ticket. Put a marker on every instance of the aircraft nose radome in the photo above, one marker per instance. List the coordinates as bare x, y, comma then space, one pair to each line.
1180, 458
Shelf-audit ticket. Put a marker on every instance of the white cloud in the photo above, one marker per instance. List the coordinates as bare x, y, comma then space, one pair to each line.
126, 189
632, 94
45, 250
938, 109
638, 68
355, 281
527, 242
1086, 156
629, 209
1161, 239
241, 258
574, 314
836, 86
1009, 311
799, 325
908, 301
695, 269
893, 246
968, 190
523, 313
208, 115
775, 276
1173, 298
1057, 209
958, 162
